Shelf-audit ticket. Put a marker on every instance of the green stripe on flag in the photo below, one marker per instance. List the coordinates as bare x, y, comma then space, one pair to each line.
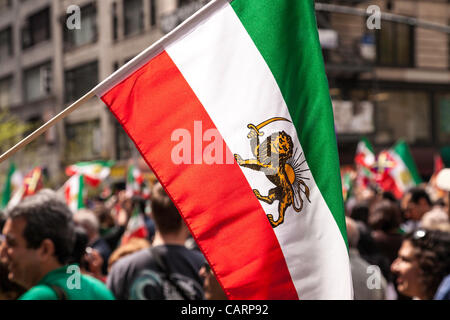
130, 177
80, 192
6, 195
367, 143
285, 34
103, 163
402, 149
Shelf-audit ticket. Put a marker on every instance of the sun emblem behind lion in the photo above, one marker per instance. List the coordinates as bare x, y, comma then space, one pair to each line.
276, 158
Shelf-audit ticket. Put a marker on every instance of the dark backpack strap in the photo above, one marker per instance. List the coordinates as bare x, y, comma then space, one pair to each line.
60, 293
165, 268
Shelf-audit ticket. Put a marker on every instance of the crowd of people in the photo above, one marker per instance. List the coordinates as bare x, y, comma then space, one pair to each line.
49, 253
397, 249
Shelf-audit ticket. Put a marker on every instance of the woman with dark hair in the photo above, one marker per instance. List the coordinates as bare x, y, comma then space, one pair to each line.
422, 263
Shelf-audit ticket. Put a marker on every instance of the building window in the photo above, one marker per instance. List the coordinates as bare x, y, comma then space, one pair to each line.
80, 80
37, 82
133, 16
34, 123
5, 4
124, 145
184, 2
153, 13
403, 115
115, 21
36, 29
5, 92
83, 141
395, 45
443, 118
88, 31
6, 44
116, 66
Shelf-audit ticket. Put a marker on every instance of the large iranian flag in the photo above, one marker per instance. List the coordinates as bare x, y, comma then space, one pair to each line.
232, 113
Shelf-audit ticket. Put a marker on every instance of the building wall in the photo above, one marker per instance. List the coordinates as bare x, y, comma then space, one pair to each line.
407, 101
110, 54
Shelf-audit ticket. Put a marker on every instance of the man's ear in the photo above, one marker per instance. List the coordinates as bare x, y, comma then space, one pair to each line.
47, 249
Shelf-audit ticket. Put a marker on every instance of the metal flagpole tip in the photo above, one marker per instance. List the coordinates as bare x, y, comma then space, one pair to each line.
443, 179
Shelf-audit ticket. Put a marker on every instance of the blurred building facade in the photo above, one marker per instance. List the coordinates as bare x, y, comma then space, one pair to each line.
386, 84
46, 64
389, 83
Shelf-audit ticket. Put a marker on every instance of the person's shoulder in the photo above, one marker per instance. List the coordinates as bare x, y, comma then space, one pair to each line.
194, 255
131, 260
197, 255
91, 280
101, 290
39, 292
443, 291
101, 243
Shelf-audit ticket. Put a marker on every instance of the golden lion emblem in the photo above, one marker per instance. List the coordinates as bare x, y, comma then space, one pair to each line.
276, 158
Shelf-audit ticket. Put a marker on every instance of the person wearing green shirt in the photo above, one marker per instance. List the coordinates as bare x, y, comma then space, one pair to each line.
39, 239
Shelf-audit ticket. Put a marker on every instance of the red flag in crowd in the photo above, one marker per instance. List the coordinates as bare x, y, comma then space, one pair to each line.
32, 183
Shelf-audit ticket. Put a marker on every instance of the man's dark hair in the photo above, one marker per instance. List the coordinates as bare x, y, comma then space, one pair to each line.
387, 195
2, 220
80, 245
419, 193
360, 212
47, 217
385, 215
432, 250
166, 216
118, 186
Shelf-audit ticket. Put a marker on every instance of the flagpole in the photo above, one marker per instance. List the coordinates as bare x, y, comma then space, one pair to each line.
32, 136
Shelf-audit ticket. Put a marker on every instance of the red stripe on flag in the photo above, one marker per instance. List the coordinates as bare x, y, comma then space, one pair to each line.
215, 200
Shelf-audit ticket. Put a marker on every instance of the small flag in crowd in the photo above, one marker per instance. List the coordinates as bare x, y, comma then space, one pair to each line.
396, 170
348, 178
234, 96
364, 154
365, 161
135, 180
31, 184
73, 192
136, 227
94, 172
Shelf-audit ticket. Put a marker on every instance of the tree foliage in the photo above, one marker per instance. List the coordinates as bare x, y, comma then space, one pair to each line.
11, 130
